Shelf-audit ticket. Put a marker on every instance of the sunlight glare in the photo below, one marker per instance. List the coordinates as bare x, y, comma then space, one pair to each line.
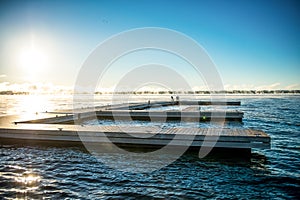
32, 58
28, 179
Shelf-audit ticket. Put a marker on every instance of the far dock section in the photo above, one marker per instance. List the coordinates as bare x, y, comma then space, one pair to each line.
149, 105
139, 106
142, 115
211, 103
193, 116
150, 111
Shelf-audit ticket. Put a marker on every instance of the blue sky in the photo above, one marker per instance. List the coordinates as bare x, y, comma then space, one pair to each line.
254, 44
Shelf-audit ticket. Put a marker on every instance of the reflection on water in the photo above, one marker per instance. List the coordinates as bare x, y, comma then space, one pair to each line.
28, 182
19, 182
28, 179
32, 105
27, 105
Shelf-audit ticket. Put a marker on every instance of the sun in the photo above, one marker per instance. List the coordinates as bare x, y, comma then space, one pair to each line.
32, 58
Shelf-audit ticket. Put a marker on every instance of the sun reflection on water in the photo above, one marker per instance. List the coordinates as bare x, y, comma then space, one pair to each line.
33, 104
28, 107
28, 179
27, 182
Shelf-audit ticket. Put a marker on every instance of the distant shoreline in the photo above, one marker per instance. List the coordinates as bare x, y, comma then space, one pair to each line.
226, 92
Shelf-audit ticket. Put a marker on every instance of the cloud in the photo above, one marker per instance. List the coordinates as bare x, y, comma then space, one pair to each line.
273, 86
239, 87
200, 88
2, 75
293, 87
3, 86
42, 88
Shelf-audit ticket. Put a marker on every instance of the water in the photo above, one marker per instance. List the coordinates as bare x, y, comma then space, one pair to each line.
36, 172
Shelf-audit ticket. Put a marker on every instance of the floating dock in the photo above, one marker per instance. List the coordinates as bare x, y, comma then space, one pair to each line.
143, 112
142, 115
145, 135
52, 127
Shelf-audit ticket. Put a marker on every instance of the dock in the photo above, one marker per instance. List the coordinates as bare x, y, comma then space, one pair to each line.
58, 126
143, 112
147, 135
142, 115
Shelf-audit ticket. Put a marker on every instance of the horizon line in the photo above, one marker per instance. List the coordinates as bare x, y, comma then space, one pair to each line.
162, 92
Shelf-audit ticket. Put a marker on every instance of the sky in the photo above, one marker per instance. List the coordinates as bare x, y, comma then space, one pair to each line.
253, 44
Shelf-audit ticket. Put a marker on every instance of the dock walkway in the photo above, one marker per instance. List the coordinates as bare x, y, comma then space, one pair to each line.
146, 135
138, 111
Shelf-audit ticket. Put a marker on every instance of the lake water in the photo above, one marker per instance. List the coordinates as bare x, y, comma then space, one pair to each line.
36, 172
